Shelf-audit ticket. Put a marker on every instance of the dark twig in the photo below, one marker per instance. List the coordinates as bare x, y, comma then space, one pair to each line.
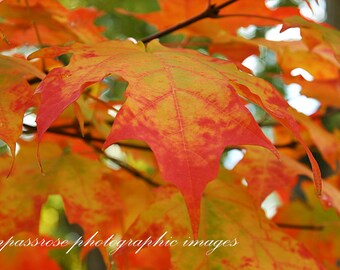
133, 171
126, 167
211, 11
60, 131
89, 140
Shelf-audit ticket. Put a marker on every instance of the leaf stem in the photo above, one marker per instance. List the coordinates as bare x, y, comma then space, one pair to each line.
36, 30
211, 11
301, 227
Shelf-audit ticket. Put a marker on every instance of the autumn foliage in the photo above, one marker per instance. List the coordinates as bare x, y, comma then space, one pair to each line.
144, 120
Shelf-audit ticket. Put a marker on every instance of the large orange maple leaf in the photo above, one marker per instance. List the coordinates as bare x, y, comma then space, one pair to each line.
182, 103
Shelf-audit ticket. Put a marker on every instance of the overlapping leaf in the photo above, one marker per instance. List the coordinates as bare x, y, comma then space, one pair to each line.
319, 62
13, 72
265, 174
231, 20
94, 196
163, 85
319, 67
326, 142
270, 100
323, 243
228, 213
45, 22
314, 34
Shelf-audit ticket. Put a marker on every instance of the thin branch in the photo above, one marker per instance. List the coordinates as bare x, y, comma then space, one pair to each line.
87, 137
127, 167
301, 227
89, 140
133, 171
75, 135
211, 11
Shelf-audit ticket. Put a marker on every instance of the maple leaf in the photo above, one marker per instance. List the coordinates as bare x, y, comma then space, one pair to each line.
326, 142
324, 70
264, 95
230, 19
90, 196
289, 55
13, 72
234, 48
258, 167
49, 20
323, 243
185, 139
314, 34
228, 213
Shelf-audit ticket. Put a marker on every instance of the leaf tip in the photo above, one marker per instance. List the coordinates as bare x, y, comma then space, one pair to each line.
193, 204
276, 153
33, 55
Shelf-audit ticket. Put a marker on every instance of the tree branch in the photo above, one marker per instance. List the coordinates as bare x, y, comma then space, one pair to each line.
60, 131
211, 11
89, 140
126, 167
